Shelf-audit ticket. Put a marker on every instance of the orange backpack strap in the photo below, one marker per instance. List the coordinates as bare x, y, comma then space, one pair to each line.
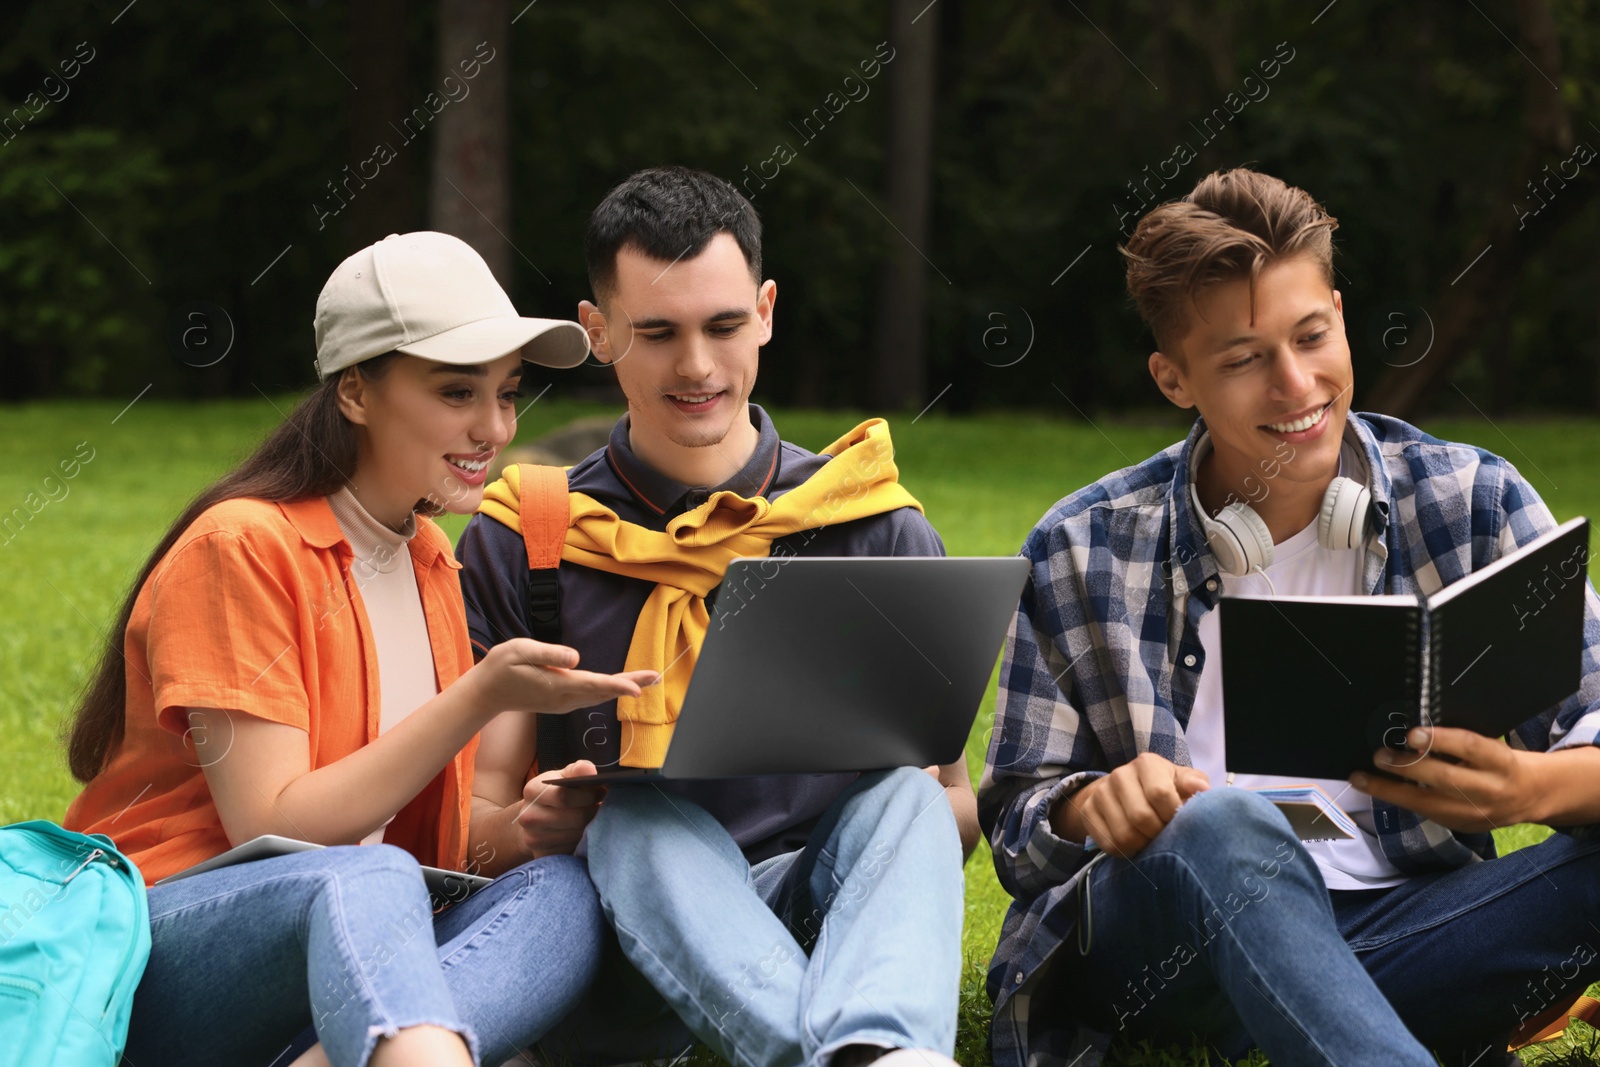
544, 514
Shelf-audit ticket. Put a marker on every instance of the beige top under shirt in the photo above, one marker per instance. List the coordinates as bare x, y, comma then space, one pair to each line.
387, 583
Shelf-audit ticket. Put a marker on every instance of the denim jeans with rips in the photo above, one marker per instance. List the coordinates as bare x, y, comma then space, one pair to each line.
343, 940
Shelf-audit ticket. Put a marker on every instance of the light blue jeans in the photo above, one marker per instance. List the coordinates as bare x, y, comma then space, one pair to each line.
1222, 927
244, 958
856, 939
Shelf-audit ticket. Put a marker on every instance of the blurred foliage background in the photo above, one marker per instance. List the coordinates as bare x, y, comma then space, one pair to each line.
208, 159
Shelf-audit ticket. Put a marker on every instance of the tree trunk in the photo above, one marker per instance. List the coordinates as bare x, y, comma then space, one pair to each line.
900, 335
470, 195
379, 65
1485, 288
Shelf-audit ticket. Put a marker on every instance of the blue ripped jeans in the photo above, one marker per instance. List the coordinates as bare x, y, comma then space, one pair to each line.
1223, 928
245, 958
856, 939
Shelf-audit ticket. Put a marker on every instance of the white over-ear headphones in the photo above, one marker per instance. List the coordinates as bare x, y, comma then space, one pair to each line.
1242, 543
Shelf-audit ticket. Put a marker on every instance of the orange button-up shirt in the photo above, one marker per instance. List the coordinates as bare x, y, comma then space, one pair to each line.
254, 610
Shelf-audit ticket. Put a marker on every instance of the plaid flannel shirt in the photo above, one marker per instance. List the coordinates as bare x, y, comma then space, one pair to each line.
1104, 655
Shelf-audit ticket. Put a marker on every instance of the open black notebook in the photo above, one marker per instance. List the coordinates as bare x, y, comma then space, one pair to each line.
1313, 686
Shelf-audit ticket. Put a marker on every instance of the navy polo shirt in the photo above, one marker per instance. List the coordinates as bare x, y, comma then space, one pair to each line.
766, 816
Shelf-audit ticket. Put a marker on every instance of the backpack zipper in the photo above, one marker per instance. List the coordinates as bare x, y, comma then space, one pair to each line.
26, 985
90, 858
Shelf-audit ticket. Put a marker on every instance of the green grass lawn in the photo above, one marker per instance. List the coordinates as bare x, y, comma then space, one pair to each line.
984, 482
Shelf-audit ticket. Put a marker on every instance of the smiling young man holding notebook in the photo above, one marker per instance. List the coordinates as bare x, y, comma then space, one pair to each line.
1153, 900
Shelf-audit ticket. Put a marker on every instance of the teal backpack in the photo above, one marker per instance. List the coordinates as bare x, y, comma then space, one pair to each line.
74, 938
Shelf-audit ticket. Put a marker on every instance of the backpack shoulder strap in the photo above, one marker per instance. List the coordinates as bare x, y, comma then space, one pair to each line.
544, 515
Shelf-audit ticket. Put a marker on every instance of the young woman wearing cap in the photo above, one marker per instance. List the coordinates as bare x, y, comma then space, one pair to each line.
293, 660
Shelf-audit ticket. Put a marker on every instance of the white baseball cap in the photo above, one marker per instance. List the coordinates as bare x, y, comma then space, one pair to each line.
431, 295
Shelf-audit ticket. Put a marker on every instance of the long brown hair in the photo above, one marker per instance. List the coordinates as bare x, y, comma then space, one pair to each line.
313, 453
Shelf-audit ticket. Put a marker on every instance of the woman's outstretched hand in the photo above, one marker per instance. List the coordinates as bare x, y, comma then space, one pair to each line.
527, 675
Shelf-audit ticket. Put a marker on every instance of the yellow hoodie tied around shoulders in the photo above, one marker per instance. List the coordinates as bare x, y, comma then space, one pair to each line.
689, 558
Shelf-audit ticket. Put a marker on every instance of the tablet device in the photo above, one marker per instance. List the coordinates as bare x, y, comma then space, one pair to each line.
444, 887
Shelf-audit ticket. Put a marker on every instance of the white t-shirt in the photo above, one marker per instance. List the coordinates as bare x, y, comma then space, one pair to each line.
1300, 567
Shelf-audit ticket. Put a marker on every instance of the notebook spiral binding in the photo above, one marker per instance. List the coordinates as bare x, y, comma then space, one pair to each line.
1435, 646
1425, 631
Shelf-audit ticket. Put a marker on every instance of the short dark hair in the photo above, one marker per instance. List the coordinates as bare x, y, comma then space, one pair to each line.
1233, 224
667, 213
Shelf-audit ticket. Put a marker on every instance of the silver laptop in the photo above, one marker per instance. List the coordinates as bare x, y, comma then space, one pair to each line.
824, 664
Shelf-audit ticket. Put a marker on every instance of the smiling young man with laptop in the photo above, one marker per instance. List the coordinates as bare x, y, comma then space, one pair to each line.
802, 919
1151, 899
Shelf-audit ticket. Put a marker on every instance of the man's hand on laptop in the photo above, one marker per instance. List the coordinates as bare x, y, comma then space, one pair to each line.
1126, 809
553, 818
